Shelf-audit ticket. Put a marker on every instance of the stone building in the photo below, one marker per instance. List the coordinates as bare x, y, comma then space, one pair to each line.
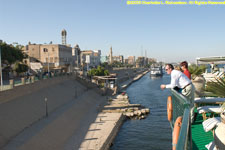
131, 60
76, 51
90, 58
140, 62
118, 59
55, 55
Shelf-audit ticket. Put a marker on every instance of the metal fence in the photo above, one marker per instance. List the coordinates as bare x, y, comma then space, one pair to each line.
181, 107
29, 80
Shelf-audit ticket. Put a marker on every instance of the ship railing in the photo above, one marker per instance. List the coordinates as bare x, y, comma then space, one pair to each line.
181, 107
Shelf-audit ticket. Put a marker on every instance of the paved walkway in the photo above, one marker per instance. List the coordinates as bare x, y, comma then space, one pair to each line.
102, 132
65, 128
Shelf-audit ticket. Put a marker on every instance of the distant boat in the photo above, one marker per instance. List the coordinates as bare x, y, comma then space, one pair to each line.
156, 71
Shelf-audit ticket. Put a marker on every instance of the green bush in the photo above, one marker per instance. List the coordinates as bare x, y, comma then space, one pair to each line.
20, 68
100, 71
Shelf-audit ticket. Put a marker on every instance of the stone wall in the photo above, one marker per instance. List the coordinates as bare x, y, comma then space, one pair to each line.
24, 105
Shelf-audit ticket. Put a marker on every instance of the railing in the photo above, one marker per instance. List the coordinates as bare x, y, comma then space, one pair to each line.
181, 107
28, 81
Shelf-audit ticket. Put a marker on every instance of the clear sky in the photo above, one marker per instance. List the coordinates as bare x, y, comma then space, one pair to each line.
169, 33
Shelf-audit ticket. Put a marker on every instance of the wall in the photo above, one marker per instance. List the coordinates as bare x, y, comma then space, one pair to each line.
25, 105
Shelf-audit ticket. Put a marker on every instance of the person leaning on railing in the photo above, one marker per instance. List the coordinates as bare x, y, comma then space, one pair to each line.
184, 67
182, 84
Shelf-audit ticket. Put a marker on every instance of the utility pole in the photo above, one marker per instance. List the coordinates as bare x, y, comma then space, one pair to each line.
46, 50
48, 63
1, 68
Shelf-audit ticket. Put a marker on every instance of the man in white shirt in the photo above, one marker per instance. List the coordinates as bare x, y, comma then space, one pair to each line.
180, 80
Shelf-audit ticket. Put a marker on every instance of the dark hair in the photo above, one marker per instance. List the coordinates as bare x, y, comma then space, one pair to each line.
184, 63
170, 66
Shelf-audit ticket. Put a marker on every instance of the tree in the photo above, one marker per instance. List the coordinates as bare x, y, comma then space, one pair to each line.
11, 54
217, 87
196, 70
20, 68
100, 71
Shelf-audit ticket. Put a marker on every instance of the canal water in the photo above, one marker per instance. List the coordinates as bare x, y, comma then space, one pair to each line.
154, 132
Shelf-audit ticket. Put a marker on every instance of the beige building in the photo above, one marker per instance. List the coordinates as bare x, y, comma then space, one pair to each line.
76, 54
140, 62
56, 55
131, 60
118, 59
90, 58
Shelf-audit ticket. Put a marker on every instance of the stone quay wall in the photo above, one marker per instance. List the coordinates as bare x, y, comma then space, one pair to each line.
24, 105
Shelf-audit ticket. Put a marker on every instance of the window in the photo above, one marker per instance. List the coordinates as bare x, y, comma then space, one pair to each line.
45, 50
51, 59
56, 59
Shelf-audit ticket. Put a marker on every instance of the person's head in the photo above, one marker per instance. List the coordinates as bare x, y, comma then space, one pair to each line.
184, 65
169, 68
178, 68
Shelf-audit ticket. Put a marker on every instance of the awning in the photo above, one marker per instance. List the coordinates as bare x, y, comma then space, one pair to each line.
211, 59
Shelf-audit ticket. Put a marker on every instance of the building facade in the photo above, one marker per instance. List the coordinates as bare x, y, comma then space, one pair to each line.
118, 59
90, 58
55, 55
76, 51
131, 60
140, 62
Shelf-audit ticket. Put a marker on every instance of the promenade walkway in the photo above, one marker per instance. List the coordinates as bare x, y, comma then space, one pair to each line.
65, 128
66, 125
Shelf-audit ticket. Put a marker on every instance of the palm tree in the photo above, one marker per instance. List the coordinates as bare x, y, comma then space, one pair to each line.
197, 79
196, 71
217, 87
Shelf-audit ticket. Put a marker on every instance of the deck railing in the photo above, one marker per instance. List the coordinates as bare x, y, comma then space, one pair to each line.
181, 107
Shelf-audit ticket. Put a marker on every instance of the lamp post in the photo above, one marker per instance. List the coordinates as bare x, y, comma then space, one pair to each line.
1, 67
46, 107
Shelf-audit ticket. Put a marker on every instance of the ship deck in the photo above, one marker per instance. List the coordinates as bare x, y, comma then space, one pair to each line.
200, 138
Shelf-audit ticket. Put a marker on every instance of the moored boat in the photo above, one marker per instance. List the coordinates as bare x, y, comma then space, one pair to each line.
156, 71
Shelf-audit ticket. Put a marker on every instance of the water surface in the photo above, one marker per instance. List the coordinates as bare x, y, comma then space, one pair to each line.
154, 132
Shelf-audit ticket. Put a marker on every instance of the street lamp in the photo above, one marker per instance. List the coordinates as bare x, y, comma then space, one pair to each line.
46, 107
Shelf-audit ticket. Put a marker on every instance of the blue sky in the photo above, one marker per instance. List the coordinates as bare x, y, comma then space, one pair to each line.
169, 33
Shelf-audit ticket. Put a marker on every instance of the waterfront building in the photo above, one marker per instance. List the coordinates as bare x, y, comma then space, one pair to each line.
140, 62
131, 60
76, 54
126, 61
90, 58
55, 55
118, 59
